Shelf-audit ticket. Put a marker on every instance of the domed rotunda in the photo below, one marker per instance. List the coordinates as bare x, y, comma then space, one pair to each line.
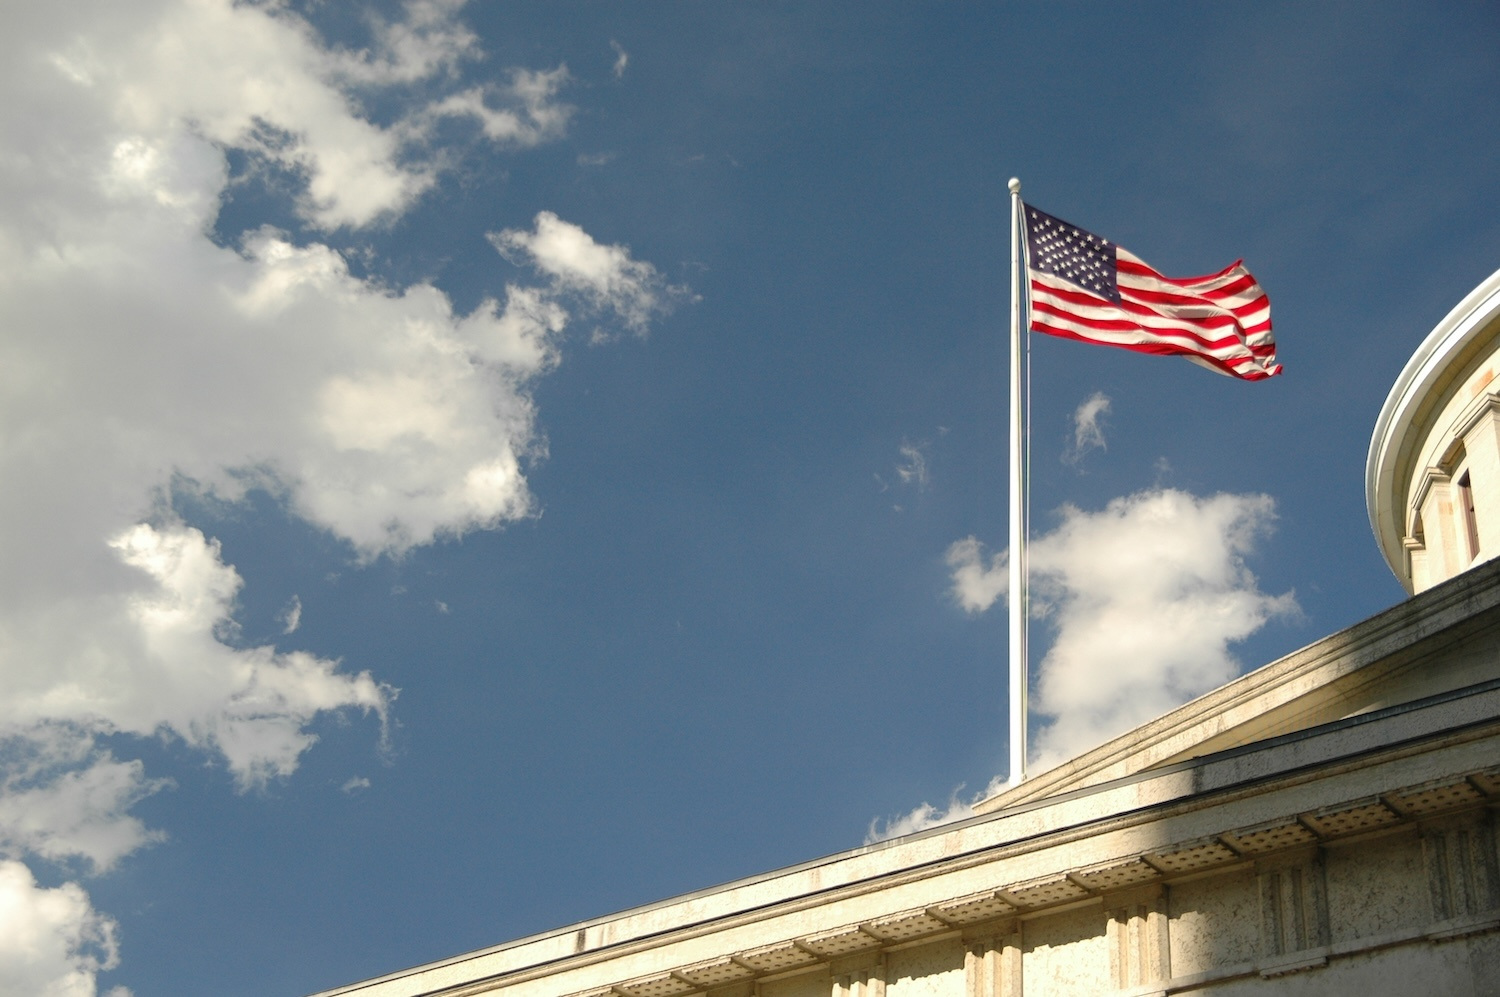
1432, 482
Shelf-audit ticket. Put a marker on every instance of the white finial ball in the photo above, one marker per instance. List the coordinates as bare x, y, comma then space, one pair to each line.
1015, 185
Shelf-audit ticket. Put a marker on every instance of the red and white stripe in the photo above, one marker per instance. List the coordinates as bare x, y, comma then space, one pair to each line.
1221, 321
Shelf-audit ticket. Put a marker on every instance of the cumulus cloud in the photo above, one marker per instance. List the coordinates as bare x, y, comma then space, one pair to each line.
1144, 598
1088, 427
52, 941
142, 359
61, 799
257, 78
977, 581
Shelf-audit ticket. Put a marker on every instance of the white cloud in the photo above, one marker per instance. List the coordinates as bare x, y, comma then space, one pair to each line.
1088, 427
528, 115
1145, 596
140, 357
603, 276
354, 784
61, 798
257, 78
290, 617
147, 657
622, 59
426, 42
977, 584
920, 818
52, 941
912, 470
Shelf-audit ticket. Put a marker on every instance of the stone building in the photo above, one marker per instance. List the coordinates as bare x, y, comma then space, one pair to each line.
1322, 825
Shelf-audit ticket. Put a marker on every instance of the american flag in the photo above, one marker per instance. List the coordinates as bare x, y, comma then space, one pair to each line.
1087, 288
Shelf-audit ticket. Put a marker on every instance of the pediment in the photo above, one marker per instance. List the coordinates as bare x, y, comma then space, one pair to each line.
1443, 639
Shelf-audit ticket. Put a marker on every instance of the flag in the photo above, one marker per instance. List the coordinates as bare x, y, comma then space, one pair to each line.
1085, 287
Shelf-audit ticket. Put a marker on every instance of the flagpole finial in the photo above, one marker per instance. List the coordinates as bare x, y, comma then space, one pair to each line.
1015, 185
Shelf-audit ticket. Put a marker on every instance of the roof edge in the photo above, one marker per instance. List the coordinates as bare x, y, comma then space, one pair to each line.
1367, 642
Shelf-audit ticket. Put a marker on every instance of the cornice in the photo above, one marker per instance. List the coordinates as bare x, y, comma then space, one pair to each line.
994, 911
1187, 796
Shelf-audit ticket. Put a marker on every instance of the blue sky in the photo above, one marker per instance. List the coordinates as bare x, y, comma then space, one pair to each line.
468, 470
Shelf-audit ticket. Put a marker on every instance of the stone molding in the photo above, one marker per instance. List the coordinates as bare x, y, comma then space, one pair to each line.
1286, 855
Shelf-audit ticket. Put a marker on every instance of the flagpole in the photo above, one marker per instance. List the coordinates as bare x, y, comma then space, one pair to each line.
1017, 590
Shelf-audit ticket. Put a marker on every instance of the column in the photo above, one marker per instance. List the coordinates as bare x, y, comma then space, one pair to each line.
1294, 911
992, 963
1140, 950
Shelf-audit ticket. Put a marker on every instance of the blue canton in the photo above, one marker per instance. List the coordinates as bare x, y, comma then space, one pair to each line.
1067, 251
